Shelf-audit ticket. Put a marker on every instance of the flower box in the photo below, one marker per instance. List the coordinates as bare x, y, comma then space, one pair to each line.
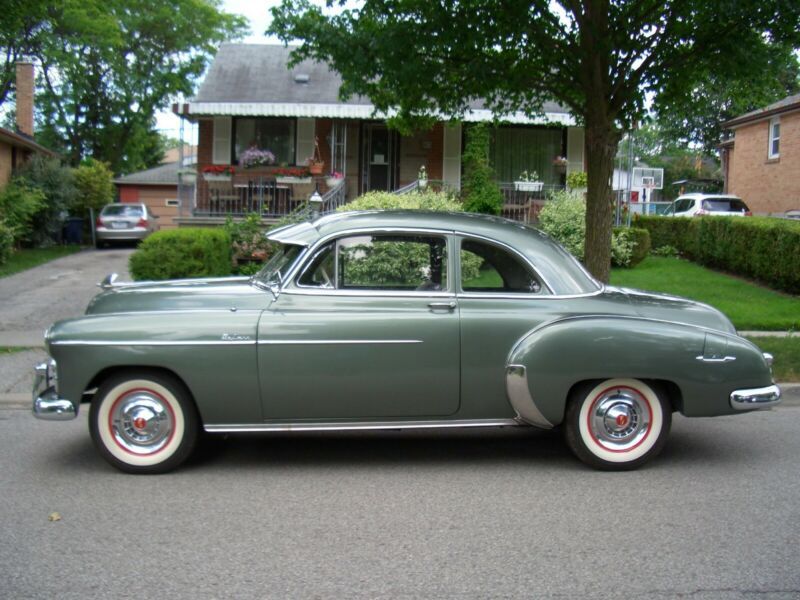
216, 177
288, 179
528, 186
332, 182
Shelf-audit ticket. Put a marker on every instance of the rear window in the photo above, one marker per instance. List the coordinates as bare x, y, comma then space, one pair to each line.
122, 210
725, 205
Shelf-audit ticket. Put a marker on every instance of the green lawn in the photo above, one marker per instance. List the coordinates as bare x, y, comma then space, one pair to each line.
748, 305
29, 258
786, 352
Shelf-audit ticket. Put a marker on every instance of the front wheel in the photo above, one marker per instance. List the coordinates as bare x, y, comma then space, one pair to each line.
617, 424
143, 422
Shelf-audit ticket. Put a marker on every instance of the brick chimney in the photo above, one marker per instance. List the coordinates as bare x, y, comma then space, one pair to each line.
25, 97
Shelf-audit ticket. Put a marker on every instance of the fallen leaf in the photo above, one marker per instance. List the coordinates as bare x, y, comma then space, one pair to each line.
54, 517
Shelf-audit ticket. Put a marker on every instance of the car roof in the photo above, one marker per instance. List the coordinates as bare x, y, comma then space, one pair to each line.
562, 273
702, 196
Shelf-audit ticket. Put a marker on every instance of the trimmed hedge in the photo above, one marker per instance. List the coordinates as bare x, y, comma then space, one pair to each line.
640, 241
761, 248
182, 253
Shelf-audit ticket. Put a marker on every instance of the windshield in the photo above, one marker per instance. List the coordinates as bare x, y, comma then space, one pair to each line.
274, 272
122, 210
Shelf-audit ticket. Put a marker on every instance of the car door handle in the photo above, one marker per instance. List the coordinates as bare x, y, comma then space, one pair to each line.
448, 306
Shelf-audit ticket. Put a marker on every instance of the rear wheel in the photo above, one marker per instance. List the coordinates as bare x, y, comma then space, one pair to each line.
617, 424
144, 422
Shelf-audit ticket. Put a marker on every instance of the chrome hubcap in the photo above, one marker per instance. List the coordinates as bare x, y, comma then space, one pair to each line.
620, 419
141, 422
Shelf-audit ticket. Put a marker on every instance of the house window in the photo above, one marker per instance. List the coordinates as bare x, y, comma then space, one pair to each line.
275, 135
517, 149
774, 138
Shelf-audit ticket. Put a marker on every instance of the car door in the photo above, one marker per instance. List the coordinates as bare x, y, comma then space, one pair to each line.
367, 330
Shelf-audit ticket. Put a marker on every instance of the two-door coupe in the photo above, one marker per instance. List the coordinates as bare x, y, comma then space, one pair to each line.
391, 320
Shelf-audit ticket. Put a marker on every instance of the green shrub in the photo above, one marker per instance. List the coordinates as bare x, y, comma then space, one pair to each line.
249, 244
666, 251
629, 246
181, 253
423, 200
479, 188
57, 183
563, 217
6, 242
577, 179
94, 183
761, 248
19, 204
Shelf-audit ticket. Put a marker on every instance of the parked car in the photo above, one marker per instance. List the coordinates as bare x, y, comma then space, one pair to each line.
123, 222
698, 205
396, 320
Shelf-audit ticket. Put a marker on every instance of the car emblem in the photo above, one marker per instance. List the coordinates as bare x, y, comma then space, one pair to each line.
234, 337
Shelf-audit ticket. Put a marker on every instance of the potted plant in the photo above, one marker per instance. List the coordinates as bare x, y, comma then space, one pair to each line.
315, 162
334, 179
188, 175
422, 178
528, 182
292, 175
560, 163
577, 181
256, 157
218, 172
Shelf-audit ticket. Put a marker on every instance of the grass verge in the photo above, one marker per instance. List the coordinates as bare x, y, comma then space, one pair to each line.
748, 305
21, 260
787, 356
11, 349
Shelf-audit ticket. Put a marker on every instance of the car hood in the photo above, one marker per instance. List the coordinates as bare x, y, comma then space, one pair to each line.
183, 294
664, 307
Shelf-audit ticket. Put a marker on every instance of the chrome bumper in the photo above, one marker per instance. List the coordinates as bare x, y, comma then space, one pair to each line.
46, 403
756, 398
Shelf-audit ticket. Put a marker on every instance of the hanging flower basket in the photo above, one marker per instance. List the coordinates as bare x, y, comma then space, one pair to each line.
315, 163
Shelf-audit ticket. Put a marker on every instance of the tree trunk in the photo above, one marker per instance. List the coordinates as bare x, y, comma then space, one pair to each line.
602, 140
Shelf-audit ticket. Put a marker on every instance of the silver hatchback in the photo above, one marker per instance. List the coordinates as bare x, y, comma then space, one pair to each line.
123, 222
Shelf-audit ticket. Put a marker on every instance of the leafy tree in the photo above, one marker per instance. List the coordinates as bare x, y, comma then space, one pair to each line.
108, 66
21, 25
56, 183
597, 57
94, 183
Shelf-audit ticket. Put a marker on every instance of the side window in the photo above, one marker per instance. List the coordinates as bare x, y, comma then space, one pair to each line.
392, 262
488, 268
321, 269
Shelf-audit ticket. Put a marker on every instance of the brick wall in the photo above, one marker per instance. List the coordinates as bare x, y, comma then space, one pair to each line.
6, 164
205, 143
767, 186
25, 98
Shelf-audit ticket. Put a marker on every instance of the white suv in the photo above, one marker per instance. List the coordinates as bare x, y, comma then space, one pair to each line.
697, 205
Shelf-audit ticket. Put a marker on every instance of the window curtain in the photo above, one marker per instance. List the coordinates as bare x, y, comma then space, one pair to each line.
517, 149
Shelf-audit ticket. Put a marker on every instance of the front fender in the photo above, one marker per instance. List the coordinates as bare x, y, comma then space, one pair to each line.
562, 353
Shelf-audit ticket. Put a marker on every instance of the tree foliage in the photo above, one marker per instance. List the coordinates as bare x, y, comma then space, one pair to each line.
108, 66
598, 58
480, 190
94, 182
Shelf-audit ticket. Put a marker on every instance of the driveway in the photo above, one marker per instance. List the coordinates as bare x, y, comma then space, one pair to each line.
34, 299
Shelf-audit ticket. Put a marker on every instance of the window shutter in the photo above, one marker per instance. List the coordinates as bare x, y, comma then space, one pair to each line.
222, 141
575, 144
451, 156
306, 130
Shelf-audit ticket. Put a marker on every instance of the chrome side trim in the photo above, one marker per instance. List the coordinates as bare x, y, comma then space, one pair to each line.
152, 343
307, 291
519, 396
756, 398
324, 342
715, 359
359, 426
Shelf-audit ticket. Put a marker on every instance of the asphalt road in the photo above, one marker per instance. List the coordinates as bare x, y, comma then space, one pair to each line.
467, 514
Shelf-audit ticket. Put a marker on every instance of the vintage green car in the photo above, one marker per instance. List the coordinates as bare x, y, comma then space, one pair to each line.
393, 320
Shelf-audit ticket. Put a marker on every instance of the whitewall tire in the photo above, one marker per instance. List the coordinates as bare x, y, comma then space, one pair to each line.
617, 424
143, 422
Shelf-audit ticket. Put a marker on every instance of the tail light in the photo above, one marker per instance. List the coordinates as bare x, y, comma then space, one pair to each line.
98, 222
701, 212
142, 223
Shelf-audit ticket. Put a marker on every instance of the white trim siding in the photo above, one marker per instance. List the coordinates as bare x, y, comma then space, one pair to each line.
451, 156
306, 132
221, 148
575, 146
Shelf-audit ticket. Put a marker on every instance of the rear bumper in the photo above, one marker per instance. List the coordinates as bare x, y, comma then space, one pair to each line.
135, 233
46, 403
754, 398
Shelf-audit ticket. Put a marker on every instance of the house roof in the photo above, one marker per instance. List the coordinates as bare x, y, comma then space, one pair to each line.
166, 174
790, 103
20, 140
255, 80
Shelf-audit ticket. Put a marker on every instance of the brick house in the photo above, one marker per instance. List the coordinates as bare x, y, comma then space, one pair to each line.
251, 98
17, 146
761, 164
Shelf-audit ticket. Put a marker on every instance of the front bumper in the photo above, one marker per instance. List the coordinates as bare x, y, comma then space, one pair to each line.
46, 403
755, 398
